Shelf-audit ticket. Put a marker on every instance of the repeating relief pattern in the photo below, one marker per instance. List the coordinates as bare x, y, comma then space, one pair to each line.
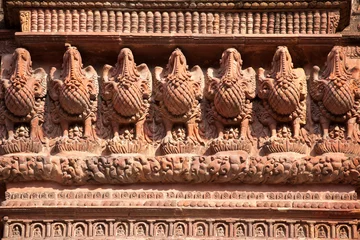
175, 112
179, 228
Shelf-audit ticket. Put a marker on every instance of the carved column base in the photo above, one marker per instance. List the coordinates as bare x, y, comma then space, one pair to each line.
221, 145
285, 145
22, 145
337, 146
125, 146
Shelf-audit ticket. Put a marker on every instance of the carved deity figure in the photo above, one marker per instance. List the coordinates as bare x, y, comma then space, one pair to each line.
220, 232
343, 233
16, 232
120, 230
231, 91
199, 230
79, 232
99, 230
74, 94
58, 231
239, 232
178, 92
283, 92
140, 230
126, 89
259, 232
336, 94
37, 232
321, 232
280, 232
160, 231
23, 91
179, 231
301, 232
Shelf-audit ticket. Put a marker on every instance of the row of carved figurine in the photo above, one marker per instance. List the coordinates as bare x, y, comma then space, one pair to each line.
180, 228
128, 89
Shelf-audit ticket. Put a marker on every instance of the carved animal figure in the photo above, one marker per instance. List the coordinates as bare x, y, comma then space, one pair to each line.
126, 90
336, 93
230, 89
178, 93
74, 94
22, 91
283, 92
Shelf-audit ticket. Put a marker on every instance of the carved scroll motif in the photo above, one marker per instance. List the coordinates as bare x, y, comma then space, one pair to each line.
283, 92
336, 98
25, 20
22, 95
74, 103
178, 92
126, 90
231, 91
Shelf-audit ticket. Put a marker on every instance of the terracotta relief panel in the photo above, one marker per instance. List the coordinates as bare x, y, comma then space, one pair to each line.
22, 93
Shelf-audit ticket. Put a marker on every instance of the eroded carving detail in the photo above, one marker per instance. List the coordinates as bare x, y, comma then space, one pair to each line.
178, 92
336, 96
126, 90
74, 97
23, 92
283, 92
231, 91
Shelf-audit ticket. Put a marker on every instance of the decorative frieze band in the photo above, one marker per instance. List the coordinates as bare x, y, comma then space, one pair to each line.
179, 228
179, 22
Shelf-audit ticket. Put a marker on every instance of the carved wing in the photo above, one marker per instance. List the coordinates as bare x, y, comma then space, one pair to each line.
251, 82
91, 74
158, 83
145, 74
41, 82
197, 77
211, 82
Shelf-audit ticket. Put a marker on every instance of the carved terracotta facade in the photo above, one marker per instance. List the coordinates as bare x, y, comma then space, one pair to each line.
181, 120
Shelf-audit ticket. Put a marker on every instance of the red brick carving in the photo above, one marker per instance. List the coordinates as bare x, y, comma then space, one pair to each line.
283, 91
126, 90
231, 91
22, 95
74, 97
336, 96
178, 92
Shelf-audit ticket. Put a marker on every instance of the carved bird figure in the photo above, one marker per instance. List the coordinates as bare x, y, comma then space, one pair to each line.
179, 92
336, 92
230, 89
283, 92
126, 90
75, 93
22, 91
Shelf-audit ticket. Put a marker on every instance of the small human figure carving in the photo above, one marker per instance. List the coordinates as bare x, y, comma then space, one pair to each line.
322, 232
239, 232
280, 232
16, 231
100, 230
220, 231
259, 232
37, 232
160, 231
79, 232
200, 231
140, 231
301, 232
120, 231
58, 231
343, 233
179, 231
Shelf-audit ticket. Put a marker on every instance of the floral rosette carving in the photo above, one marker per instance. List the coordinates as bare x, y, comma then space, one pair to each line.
22, 94
178, 95
336, 96
74, 98
231, 91
283, 92
126, 91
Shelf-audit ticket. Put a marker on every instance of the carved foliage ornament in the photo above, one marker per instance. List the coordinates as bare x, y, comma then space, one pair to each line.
22, 95
126, 90
231, 91
178, 93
